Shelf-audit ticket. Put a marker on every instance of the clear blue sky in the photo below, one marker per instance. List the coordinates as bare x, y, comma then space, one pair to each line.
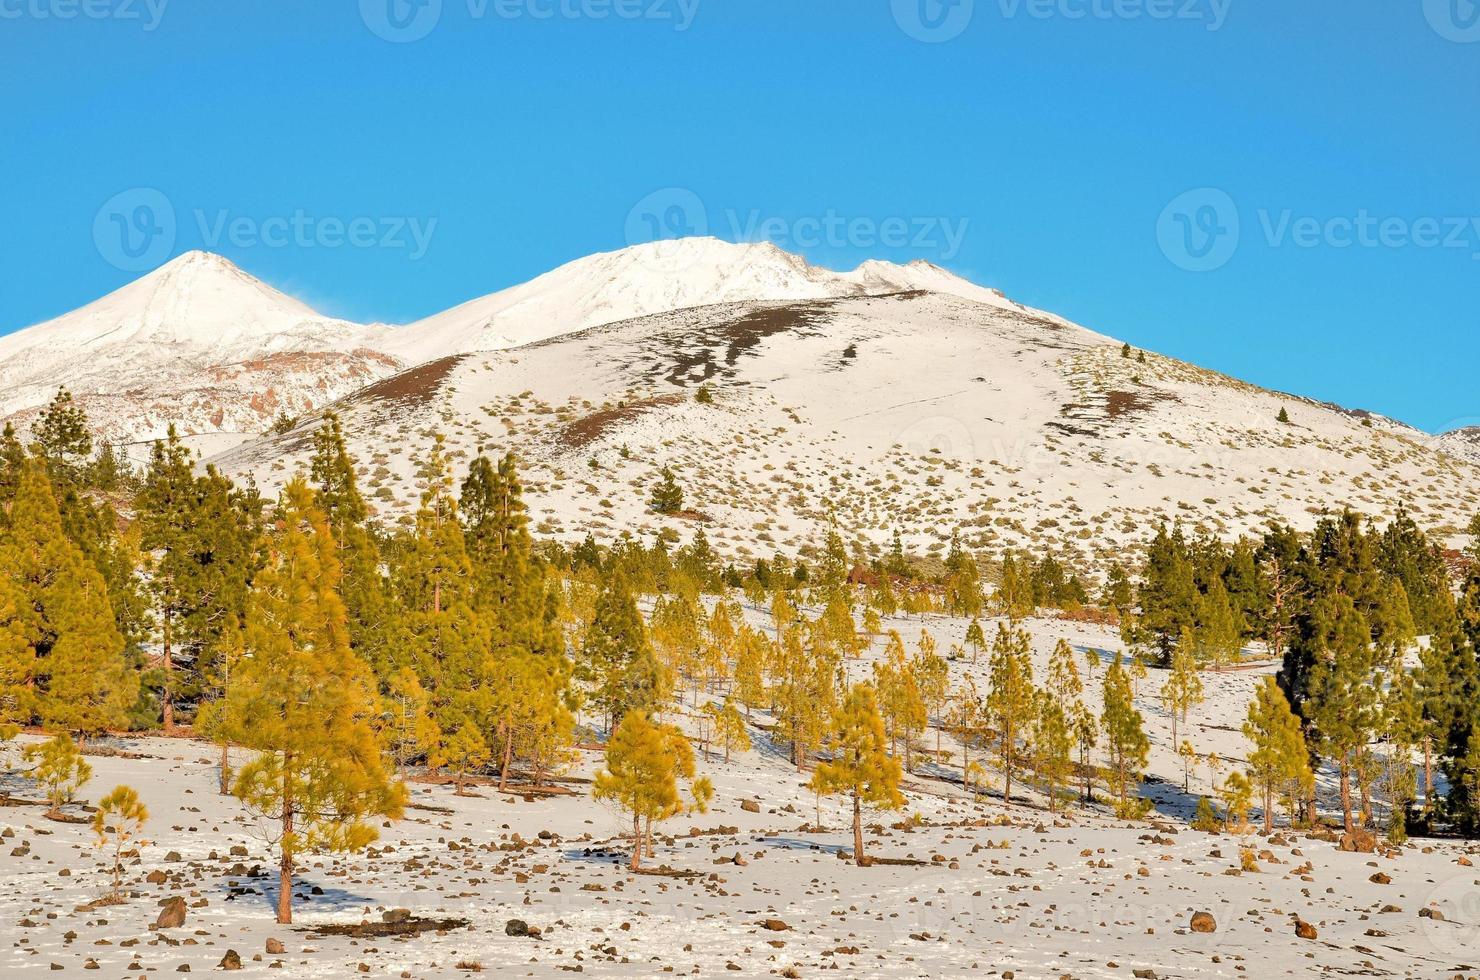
1059, 131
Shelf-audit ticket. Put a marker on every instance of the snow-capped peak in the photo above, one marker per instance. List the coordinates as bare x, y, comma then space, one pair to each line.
657, 277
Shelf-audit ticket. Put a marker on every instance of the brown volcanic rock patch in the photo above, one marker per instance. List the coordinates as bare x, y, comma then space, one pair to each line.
586, 430
415, 385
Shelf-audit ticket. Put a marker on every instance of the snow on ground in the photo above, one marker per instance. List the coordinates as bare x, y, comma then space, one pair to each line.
922, 413
996, 889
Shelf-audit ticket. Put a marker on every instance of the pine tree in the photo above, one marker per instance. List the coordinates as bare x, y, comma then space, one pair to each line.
729, 727
861, 765
1343, 698
1183, 689
60, 770
644, 763
439, 632
166, 507
118, 822
365, 588
305, 702
1284, 417
1218, 636
667, 494
975, 638
65, 440
1126, 743
78, 678
932, 677
1278, 764
1053, 746
618, 657
1010, 697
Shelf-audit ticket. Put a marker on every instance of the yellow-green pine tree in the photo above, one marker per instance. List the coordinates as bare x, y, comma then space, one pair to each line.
305, 701
860, 765
644, 762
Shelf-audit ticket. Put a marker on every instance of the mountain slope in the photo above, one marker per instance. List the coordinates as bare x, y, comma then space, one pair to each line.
919, 411
198, 343
654, 278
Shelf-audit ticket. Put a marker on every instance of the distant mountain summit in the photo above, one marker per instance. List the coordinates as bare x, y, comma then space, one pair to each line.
655, 278
197, 342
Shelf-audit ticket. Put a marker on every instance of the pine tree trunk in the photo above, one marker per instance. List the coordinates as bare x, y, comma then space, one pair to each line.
858, 857
1268, 810
1007, 772
636, 841
225, 767
1346, 797
285, 866
1428, 775
503, 768
167, 704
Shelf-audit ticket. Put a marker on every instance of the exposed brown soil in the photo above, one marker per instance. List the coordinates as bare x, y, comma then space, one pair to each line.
416, 385
584, 431
372, 930
715, 350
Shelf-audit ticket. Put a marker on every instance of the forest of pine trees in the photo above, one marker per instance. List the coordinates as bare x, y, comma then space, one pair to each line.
338, 652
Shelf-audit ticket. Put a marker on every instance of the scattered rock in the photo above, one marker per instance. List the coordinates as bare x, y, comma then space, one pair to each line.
750, 806
1359, 842
1204, 922
231, 961
394, 916
775, 925
516, 927
275, 947
1305, 930
171, 914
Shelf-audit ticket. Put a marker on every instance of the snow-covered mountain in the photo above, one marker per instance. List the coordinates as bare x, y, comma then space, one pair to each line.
916, 410
198, 343
655, 278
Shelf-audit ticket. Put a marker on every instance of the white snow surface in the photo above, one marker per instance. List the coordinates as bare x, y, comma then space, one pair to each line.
1077, 894
197, 342
657, 277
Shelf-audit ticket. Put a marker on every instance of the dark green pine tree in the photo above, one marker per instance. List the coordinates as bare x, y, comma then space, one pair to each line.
618, 658
65, 439
1405, 553
1168, 594
365, 589
80, 679
511, 585
166, 506
12, 458
667, 494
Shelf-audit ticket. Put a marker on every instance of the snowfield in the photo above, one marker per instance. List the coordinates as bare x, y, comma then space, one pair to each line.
980, 888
